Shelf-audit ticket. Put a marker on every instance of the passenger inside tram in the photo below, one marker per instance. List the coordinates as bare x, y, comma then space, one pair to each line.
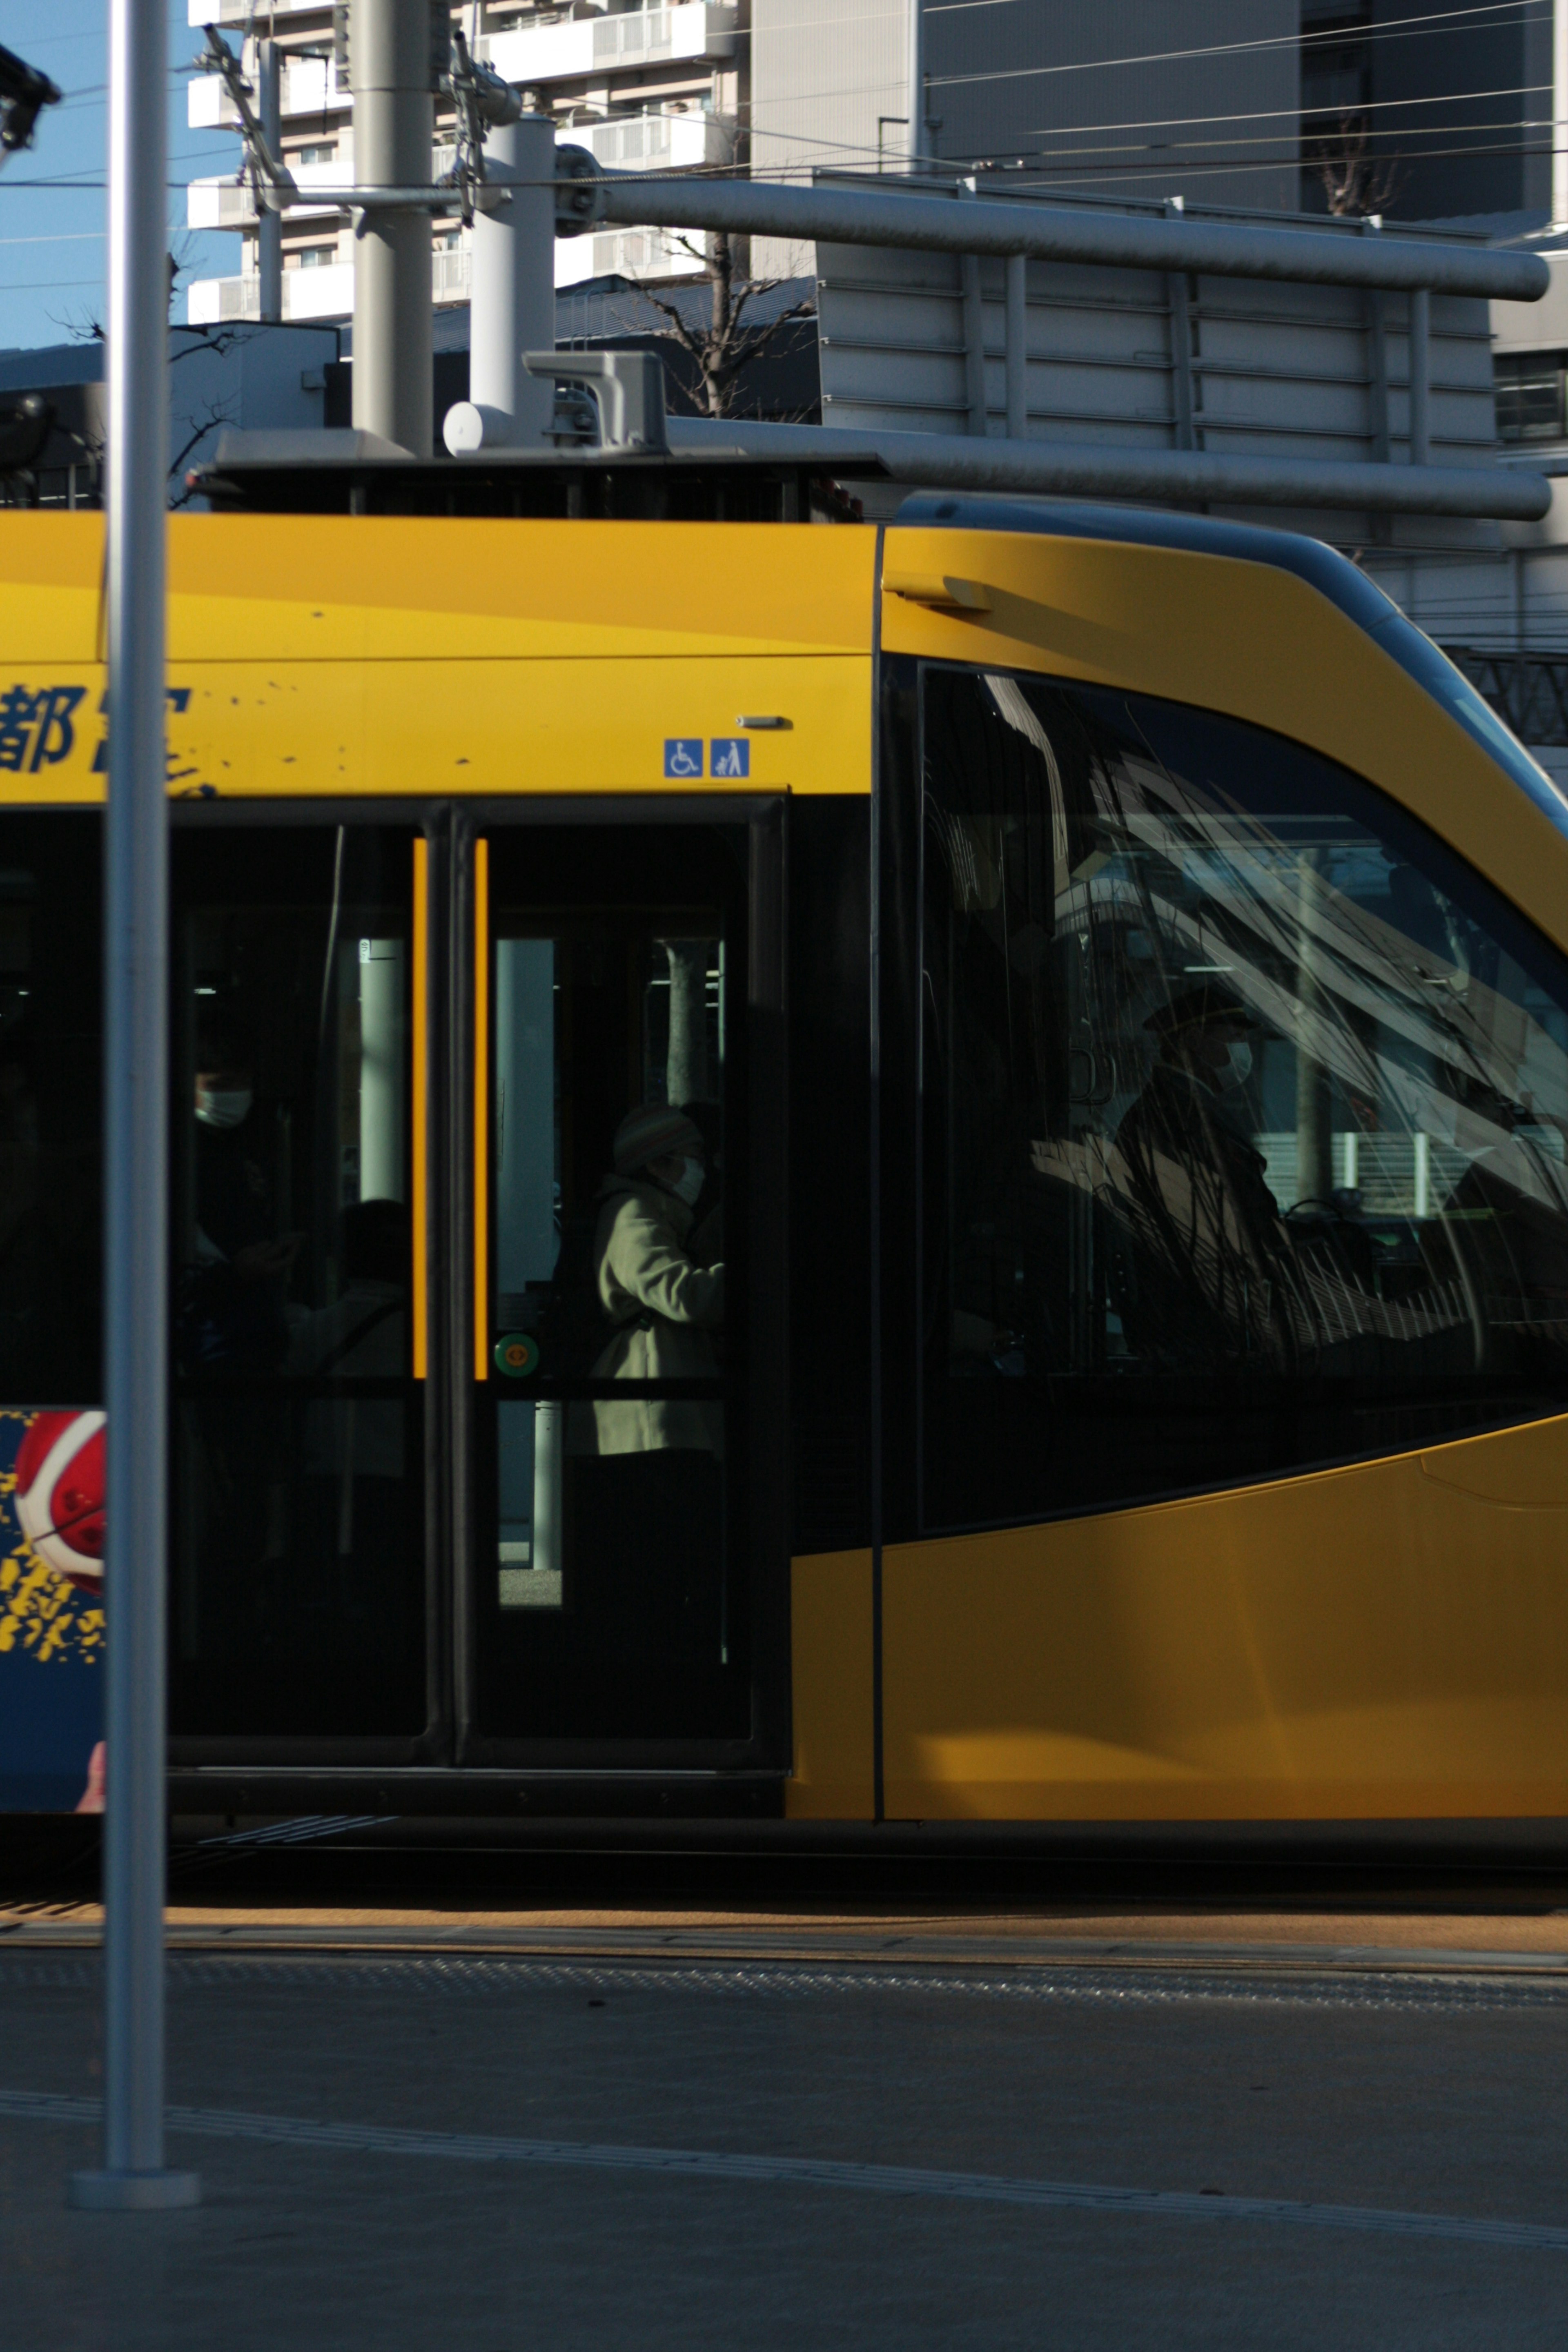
662, 1301
354, 1456
232, 1308
651, 1496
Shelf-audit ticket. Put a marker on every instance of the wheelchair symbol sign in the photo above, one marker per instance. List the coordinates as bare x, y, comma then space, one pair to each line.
683, 755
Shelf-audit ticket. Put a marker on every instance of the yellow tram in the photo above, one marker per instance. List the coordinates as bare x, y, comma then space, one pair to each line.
1099, 984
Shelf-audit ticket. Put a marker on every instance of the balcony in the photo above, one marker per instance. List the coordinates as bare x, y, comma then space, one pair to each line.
218, 202
324, 293
240, 12
659, 142
308, 86
635, 253
577, 48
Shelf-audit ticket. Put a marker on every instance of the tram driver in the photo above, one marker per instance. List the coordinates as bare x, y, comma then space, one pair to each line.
1216, 1256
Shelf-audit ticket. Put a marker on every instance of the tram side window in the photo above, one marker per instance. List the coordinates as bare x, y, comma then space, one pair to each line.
50, 1120
1246, 1113
608, 1160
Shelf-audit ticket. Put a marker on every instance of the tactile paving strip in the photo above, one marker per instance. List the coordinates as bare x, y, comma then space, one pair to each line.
1126, 1987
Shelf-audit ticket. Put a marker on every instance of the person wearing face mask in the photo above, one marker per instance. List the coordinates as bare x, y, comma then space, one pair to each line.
1217, 1256
663, 1304
647, 1508
233, 1310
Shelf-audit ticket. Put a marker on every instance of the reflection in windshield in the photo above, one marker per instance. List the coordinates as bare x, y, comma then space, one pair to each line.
1245, 1084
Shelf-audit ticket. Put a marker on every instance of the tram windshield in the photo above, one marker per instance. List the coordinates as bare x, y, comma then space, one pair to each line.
1246, 1112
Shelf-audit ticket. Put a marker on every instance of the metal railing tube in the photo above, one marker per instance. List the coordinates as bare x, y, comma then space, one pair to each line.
1069, 469
937, 223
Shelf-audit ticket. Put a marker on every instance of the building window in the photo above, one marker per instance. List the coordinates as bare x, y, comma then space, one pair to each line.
316, 154
1530, 396
315, 257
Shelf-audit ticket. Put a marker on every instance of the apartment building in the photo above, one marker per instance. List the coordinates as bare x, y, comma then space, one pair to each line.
661, 88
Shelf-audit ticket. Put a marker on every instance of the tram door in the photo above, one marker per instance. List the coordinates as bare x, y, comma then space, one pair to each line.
300, 1538
625, 1183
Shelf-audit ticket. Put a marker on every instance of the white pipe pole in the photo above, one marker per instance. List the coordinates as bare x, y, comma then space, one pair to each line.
512, 306
135, 1158
916, 61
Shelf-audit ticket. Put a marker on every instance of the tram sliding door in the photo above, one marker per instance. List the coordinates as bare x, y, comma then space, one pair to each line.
618, 1573
299, 1572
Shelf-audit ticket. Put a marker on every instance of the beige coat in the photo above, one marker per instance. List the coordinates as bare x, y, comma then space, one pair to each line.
665, 1305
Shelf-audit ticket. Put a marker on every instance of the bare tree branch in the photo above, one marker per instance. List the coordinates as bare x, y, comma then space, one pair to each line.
1354, 182
728, 345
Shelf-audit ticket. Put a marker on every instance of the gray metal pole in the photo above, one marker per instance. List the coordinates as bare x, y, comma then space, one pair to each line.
1017, 347
269, 228
975, 392
394, 123
513, 310
1420, 371
135, 1158
877, 214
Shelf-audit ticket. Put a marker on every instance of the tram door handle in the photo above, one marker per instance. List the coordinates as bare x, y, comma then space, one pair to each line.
481, 1109
419, 1120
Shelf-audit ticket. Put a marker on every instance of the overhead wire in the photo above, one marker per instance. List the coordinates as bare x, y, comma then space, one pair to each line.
1279, 114
1431, 23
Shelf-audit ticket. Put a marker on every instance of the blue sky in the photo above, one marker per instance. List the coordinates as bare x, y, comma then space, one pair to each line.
52, 195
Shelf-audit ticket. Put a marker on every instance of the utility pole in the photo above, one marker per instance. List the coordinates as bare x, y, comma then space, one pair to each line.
1560, 113
270, 223
392, 70
136, 1129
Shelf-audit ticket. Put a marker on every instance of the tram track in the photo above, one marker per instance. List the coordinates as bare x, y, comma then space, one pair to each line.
337, 1893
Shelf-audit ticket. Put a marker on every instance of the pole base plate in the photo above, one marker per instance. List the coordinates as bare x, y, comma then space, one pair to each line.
132, 2192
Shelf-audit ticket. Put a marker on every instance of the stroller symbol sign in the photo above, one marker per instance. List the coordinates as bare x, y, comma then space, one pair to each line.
731, 756
683, 755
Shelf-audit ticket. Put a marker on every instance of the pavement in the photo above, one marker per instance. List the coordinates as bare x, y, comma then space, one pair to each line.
659, 2127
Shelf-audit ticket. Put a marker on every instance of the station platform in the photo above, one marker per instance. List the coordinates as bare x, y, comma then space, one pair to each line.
651, 2124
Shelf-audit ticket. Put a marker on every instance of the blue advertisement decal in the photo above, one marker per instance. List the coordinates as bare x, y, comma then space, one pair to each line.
51, 1611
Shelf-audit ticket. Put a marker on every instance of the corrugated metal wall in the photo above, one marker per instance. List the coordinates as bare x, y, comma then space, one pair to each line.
1274, 370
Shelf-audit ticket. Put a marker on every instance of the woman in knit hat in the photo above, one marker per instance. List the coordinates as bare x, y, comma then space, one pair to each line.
662, 1302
